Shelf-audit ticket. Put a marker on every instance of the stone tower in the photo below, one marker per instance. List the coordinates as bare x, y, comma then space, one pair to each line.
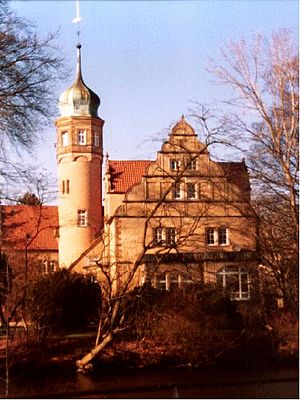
79, 161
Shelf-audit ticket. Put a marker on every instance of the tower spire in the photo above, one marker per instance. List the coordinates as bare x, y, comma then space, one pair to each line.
78, 65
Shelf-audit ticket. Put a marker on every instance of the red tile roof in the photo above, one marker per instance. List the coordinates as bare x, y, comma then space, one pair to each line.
34, 226
124, 174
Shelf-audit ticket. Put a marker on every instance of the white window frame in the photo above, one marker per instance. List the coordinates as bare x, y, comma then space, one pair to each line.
240, 295
48, 267
81, 137
214, 233
44, 267
170, 236
164, 280
163, 234
82, 218
159, 235
226, 230
65, 138
192, 165
174, 164
51, 266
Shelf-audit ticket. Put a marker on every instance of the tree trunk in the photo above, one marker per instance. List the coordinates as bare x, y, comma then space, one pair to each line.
82, 364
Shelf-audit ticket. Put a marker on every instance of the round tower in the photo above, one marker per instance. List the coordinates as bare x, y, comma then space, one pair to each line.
79, 161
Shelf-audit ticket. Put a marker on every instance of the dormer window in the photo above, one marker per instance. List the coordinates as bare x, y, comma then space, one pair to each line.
65, 139
174, 165
81, 137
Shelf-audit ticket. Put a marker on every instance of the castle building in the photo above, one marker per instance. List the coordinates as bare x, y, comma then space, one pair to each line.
180, 219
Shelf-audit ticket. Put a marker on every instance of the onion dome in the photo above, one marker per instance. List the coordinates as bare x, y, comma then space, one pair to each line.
79, 100
183, 128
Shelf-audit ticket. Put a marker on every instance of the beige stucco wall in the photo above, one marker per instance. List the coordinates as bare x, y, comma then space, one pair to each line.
218, 204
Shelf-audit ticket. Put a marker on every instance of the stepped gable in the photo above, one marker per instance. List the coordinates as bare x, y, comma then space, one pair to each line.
36, 225
126, 173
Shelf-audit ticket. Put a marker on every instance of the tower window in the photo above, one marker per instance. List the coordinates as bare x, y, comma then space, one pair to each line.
81, 137
65, 187
65, 138
96, 139
82, 218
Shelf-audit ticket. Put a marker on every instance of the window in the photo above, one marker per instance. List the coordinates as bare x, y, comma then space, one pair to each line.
170, 236
51, 267
81, 136
236, 280
47, 267
165, 236
217, 236
44, 268
65, 187
161, 281
172, 280
158, 237
176, 191
192, 165
191, 191
222, 236
174, 165
82, 218
65, 139
96, 139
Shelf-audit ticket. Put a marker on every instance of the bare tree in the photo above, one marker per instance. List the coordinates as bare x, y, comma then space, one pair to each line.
264, 77
118, 277
30, 67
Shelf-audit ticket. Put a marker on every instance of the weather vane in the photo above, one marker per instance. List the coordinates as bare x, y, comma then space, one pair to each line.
77, 19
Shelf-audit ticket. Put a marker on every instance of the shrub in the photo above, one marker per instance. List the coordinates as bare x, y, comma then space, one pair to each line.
63, 301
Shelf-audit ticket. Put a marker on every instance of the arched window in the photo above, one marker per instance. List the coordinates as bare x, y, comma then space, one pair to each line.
236, 280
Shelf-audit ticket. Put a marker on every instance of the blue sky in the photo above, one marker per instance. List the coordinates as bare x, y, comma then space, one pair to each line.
147, 60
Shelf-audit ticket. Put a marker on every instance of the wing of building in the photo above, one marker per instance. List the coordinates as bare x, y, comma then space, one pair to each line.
178, 220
